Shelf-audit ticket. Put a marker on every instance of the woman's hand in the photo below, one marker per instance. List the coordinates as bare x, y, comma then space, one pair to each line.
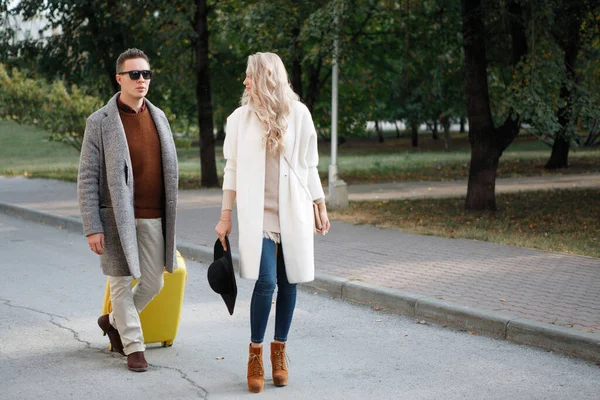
324, 219
223, 227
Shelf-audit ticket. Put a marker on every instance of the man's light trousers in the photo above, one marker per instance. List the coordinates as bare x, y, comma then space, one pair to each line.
128, 302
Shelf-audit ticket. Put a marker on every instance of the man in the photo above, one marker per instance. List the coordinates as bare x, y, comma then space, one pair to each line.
127, 188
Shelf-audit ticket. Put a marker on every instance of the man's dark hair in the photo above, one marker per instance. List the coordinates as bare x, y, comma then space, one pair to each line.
130, 54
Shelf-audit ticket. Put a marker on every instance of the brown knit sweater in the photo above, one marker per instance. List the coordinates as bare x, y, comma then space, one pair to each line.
146, 162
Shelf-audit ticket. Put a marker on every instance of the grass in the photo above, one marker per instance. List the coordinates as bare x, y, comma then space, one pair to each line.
397, 161
365, 161
24, 150
567, 221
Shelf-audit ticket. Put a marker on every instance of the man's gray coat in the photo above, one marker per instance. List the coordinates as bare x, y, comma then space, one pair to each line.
105, 189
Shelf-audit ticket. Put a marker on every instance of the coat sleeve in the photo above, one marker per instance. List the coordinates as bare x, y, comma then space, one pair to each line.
312, 157
88, 179
230, 153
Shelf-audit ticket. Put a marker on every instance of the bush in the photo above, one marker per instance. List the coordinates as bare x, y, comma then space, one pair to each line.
50, 106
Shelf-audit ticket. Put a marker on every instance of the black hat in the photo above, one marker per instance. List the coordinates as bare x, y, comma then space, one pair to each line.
221, 276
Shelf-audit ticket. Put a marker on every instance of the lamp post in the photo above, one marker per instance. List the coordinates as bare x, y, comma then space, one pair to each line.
338, 190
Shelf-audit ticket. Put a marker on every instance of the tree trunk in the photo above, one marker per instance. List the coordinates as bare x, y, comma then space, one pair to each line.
103, 50
297, 76
208, 164
560, 149
220, 132
312, 91
434, 130
297, 63
379, 133
481, 192
592, 135
560, 154
487, 141
462, 125
481, 188
414, 134
446, 126
114, 85
397, 129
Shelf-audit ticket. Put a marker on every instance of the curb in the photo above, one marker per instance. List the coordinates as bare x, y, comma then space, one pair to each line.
518, 330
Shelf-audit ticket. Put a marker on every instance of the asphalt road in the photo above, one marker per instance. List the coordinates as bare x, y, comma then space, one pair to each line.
51, 292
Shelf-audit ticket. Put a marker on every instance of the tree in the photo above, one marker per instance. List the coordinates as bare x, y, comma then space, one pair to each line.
555, 91
574, 17
412, 61
487, 141
203, 95
52, 106
569, 41
94, 33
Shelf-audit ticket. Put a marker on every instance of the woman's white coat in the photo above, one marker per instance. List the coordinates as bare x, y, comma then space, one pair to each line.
245, 173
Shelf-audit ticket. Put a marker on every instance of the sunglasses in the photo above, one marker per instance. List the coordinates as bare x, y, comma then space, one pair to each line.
135, 75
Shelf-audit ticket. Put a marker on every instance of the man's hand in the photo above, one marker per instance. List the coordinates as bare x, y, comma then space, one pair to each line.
96, 243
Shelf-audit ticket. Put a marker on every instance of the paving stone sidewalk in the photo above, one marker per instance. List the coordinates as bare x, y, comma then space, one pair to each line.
547, 287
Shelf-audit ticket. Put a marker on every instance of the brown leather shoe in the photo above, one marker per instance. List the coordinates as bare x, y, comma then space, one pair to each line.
113, 334
137, 362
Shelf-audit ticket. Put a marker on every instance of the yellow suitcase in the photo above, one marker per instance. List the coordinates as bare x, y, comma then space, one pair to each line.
160, 318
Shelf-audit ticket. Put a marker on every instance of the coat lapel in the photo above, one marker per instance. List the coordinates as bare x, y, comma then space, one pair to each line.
115, 143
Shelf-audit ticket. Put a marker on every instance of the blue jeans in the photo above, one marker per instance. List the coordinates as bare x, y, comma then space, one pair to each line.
272, 271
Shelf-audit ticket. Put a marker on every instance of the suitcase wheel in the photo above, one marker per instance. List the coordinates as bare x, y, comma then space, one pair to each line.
167, 343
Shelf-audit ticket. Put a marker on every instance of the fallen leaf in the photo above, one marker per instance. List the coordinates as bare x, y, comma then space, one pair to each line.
422, 322
472, 333
406, 334
377, 308
219, 358
502, 300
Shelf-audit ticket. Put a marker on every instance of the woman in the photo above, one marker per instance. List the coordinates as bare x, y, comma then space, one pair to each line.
271, 169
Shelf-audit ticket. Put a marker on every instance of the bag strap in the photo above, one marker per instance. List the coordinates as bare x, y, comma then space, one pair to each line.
297, 177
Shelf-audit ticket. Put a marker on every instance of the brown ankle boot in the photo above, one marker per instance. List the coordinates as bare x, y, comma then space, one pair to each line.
256, 372
280, 372
137, 362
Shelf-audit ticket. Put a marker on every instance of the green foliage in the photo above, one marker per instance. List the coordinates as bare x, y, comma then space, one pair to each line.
532, 90
399, 60
51, 106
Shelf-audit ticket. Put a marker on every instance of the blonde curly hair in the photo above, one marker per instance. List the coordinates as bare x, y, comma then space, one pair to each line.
271, 97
